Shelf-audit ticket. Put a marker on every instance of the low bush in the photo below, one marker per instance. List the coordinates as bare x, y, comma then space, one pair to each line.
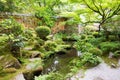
83, 36
51, 76
95, 51
95, 34
82, 45
11, 27
113, 38
28, 34
96, 41
116, 53
43, 31
106, 47
88, 59
50, 45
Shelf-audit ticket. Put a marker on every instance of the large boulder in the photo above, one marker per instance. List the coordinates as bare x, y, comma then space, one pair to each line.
20, 76
33, 68
8, 61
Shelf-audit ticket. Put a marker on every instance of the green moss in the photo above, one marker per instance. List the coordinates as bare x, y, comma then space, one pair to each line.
43, 31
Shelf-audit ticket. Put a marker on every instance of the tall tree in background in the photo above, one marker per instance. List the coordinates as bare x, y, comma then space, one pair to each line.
8, 6
45, 11
106, 9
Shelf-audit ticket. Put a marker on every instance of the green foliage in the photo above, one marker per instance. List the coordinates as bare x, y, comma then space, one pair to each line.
29, 34
113, 38
95, 51
46, 12
3, 40
73, 18
75, 36
89, 59
109, 46
104, 8
50, 45
83, 36
46, 16
43, 31
60, 35
11, 26
86, 60
116, 53
96, 34
13, 30
5, 6
50, 76
3, 44
96, 41
88, 29
82, 45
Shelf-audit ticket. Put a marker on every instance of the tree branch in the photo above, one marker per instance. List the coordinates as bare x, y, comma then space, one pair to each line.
90, 7
115, 12
98, 9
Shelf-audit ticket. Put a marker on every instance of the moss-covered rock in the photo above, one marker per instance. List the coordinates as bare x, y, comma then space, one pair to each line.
33, 68
9, 70
8, 61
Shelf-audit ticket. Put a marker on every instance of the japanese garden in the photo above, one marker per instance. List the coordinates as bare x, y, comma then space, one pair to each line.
59, 39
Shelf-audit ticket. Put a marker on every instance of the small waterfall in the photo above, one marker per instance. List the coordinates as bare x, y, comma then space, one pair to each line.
60, 62
79, 53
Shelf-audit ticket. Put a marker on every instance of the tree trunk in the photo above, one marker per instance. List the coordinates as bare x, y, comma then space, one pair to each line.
99, 28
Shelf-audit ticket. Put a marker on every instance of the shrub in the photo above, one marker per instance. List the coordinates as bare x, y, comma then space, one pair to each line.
51, 76
106, 47
50, 45
89, 59
43, 31
96, 41
46, 14
13, 30
95, 51
96, 34
83, 36
90, 36
88, 29
82, 45
112, 38
116, 53
17, 29
11, 26
28, 34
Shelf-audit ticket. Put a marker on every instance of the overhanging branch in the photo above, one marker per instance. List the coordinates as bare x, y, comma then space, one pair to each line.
90, 7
